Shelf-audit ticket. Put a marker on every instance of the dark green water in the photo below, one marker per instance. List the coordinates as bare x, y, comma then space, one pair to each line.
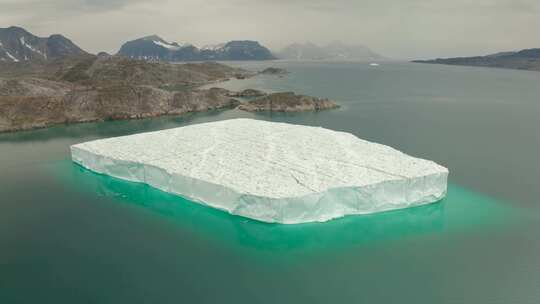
68, 235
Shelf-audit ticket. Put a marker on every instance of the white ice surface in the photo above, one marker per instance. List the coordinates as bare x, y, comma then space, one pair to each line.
272, 172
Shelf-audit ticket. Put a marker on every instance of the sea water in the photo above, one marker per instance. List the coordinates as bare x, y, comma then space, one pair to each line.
68, 235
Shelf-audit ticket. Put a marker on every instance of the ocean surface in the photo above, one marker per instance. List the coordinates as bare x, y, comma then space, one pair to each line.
68, 235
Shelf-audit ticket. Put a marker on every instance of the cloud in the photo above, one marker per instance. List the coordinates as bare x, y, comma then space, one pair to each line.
397, 28
34, 6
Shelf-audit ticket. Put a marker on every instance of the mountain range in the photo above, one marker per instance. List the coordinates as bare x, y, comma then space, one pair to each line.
18, 45
335, 51
155, 48
528, 59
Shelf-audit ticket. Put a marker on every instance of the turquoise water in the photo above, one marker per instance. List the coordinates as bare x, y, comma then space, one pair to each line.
68, 235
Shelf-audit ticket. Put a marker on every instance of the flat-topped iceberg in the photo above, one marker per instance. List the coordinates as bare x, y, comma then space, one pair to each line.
271, 172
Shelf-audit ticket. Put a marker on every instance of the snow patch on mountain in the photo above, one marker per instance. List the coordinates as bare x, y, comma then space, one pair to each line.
11, 56
30, 47
166, 45
213, 47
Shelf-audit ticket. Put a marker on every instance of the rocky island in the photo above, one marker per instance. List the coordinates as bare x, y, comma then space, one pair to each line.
274, 71
248, 93
288, 102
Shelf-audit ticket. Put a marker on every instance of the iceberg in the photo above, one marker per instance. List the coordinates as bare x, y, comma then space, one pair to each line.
270, 172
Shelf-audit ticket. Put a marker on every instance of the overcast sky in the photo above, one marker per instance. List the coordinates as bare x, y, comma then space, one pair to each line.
396, 28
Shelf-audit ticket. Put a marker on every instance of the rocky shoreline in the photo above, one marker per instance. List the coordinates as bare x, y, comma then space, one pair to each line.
274, 71
80, 105
100, 88
528, 59
288, 102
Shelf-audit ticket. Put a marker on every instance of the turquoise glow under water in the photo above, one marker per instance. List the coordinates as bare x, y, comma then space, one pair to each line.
460, 211
68, 235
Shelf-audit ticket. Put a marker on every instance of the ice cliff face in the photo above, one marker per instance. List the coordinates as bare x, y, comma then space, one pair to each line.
271, 172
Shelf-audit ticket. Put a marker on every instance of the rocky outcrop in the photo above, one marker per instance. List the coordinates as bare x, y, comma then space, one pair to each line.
104, 70
288, 102
274, 71
36, 104
33, 87
93, 88
248, 93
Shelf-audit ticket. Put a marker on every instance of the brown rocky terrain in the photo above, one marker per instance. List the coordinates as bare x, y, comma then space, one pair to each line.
248, 93
96, 88
83, 104
102, 70
288, 102
91, 88
274, 71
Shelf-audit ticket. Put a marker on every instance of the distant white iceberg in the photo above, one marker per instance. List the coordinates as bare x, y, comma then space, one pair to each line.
271, 172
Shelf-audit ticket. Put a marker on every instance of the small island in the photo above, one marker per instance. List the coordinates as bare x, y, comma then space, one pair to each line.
248, 93
274, 71
288, 102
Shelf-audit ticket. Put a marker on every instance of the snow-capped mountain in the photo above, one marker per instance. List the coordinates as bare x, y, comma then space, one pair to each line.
155, 48
333, 51
18, 45
213, 47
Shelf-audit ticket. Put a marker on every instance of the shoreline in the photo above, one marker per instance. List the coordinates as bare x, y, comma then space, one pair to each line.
30, 102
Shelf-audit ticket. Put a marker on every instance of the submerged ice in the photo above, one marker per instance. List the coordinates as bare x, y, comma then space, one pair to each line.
271, 172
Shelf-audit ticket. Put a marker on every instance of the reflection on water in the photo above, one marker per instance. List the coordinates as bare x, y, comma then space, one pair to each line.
460, 210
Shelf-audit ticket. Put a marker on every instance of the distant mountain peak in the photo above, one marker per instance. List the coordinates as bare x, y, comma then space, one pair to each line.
336, 43
19, 45
213, 47
17, 29
335, 50
243, 42
155, 48
152, 37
